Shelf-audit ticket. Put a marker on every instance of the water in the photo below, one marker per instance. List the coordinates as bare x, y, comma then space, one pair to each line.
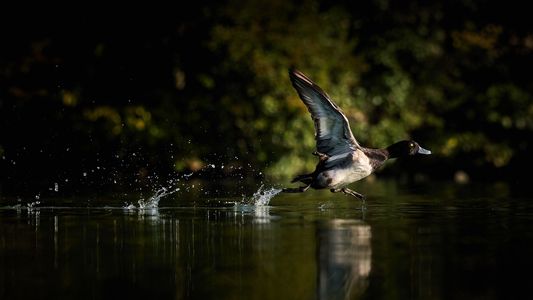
263, 195
153, 201
427, 242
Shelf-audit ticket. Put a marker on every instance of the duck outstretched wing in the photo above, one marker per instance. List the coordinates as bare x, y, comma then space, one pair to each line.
332, 130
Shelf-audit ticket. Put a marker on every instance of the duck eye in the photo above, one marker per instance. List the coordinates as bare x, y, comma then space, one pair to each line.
412, 145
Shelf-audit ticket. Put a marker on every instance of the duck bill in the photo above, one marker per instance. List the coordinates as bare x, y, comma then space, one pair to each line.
423, 151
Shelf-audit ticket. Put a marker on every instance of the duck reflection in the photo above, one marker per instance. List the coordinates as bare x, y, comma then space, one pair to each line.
344, 259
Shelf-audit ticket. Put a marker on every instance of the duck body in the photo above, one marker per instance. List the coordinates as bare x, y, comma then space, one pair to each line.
342, 160
342, 171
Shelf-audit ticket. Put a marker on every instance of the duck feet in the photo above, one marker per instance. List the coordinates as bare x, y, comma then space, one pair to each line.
296, 190
347, 191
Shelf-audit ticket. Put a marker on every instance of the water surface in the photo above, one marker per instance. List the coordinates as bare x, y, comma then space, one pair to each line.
436, 242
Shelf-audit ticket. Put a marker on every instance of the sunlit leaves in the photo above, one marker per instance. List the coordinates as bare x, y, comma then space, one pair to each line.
132, 118
217, 85
265, 38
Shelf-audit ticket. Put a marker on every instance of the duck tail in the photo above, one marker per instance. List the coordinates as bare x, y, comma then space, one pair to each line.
305, 178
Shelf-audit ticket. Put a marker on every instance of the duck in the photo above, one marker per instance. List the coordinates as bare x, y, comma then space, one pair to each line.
341, 158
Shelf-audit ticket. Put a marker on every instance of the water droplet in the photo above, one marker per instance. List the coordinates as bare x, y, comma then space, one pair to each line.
129, 206
153, 202
56, 187
262, 196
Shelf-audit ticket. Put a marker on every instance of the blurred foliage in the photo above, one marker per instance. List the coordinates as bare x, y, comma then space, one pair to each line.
210, 86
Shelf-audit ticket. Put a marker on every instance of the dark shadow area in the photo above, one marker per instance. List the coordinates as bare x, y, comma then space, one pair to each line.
118, 102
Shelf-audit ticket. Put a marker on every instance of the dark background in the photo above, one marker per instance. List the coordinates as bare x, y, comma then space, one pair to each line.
93, 98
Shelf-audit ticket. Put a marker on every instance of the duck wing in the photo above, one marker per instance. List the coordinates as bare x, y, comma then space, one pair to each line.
332, 130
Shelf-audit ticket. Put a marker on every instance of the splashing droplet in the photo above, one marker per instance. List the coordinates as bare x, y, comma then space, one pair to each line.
262, 196
153, 202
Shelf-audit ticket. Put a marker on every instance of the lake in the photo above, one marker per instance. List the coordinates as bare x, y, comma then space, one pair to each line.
431, 241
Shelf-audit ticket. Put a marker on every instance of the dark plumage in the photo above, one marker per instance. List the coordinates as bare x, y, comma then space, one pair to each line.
341, 159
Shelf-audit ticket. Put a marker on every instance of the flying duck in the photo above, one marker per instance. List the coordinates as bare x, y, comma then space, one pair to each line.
342, 160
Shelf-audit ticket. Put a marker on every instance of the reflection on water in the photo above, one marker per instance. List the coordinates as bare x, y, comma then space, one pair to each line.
171, 253
186, 253
296, 247
344, 258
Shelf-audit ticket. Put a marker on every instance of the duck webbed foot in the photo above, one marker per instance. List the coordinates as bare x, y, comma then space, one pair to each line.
296, 190
347, 191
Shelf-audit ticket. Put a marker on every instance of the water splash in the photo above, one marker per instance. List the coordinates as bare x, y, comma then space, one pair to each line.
153, 201
263, 195
32, 206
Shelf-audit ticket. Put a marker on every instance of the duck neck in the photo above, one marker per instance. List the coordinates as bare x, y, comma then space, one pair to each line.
381, 154
392, 151
387, 153
377, 156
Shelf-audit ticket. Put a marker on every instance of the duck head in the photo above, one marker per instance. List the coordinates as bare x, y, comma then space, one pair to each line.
406, 148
